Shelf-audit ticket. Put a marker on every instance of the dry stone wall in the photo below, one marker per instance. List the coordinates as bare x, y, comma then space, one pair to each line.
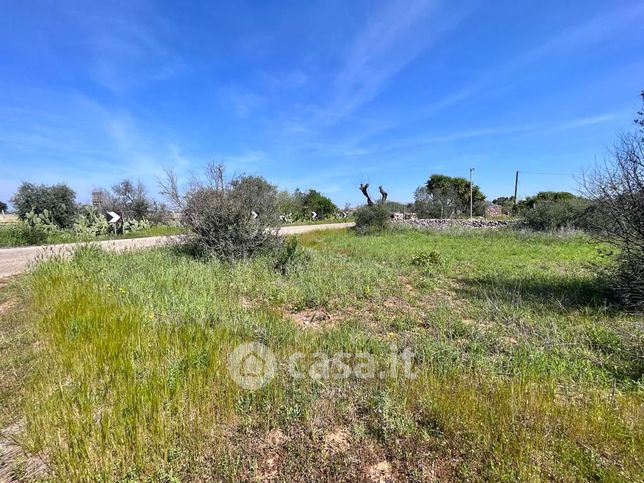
438, 224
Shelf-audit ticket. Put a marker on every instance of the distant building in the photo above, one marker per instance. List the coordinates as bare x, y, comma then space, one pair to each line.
98, 200
493, 211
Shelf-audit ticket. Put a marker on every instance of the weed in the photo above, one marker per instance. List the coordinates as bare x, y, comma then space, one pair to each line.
426, 259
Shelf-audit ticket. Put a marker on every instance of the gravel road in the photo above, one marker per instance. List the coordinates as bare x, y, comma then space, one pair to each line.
17, 260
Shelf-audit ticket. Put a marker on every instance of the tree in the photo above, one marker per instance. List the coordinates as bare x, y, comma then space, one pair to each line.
3, 207
425, 206
314, 201
128, 199
301, 204
445, 197
288, 204
372, 218
364, 188
554, 215
59, 200
639, 121
397, 207
131, 201
617, 190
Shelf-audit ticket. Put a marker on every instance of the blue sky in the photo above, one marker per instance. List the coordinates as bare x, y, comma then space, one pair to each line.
323, 94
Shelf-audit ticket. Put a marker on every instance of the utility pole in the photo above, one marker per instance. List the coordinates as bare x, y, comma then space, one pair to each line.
471, 194
516, 188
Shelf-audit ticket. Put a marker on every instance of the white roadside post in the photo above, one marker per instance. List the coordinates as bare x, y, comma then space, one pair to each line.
114, 219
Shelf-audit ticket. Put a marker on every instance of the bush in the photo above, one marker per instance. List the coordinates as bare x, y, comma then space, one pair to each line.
617, 190
557, 215
33, 230
59, 200
28, 234
290, 256
230, 219
370, 219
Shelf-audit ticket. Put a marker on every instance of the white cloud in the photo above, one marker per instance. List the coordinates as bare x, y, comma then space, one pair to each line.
516, 128
391, 39
126, 42
242, 102
588, 32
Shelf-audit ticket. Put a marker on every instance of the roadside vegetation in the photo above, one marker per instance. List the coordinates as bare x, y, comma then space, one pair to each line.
50, 214
525, 368
18, 235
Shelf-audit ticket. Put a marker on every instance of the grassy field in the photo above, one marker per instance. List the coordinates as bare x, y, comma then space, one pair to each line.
12, 236
523, 370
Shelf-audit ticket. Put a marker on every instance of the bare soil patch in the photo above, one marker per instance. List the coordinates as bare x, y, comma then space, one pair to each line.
314, 318
380, 472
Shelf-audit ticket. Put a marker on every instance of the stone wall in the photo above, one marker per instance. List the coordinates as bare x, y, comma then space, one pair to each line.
439, 224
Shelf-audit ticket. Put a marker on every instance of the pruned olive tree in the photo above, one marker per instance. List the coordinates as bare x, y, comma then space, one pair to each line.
373, 217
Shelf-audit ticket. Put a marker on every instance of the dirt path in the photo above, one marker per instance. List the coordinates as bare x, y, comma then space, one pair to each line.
17, 260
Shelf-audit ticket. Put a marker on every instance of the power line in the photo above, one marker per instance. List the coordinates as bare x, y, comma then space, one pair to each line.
516, 180
547, 174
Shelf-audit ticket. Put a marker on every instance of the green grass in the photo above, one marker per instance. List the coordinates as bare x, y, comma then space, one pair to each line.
12, 236
525, 370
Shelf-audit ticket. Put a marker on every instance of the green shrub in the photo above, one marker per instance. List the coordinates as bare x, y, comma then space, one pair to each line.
58, 200
371, 219
31, 234
426, 259
231, 219
617, 190
290, 256
557, 215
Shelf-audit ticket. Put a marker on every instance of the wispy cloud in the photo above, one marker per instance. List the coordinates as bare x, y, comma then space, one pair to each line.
514, 129
391, 39
92, 145
242, 102
126, 42
589, 32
